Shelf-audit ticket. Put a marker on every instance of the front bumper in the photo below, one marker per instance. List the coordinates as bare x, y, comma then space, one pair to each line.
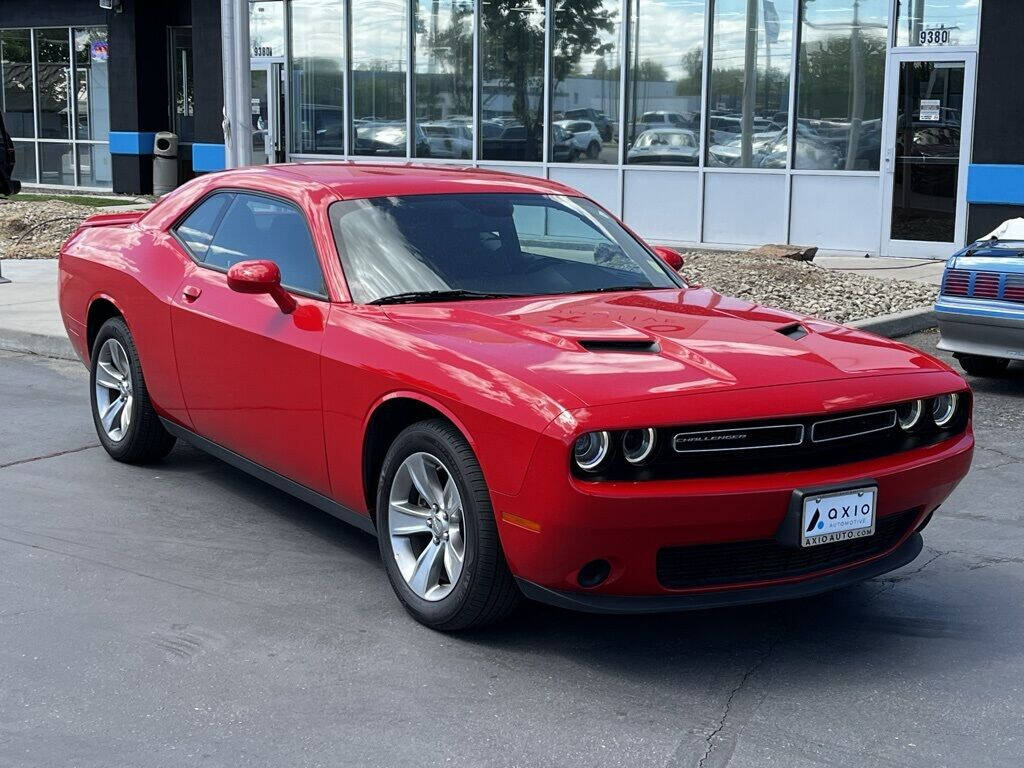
590, 602
557, 524
988, 329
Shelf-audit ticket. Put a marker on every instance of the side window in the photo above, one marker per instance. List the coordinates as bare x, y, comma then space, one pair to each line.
197, 230
257, 227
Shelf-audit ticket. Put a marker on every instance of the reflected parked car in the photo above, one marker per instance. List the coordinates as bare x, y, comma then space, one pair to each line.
563, 148
672, 146
448, 139
812, 151
585, 136
598, 118
386, 138
507, 139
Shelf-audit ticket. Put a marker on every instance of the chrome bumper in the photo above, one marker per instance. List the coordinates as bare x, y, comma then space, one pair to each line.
988, 329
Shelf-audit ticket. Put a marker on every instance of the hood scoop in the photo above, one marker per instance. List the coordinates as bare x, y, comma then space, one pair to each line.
644, 346
794, 331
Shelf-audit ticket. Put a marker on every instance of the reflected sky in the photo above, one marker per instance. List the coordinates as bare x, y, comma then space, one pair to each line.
960, 16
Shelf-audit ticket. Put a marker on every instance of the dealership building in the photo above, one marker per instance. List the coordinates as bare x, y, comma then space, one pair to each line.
890, 127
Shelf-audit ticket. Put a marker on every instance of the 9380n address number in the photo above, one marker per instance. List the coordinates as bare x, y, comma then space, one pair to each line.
939, 36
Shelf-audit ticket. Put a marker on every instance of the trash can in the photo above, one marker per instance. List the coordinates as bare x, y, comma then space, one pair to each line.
165, 163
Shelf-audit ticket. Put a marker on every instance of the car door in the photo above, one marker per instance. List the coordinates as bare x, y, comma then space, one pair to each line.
250, 373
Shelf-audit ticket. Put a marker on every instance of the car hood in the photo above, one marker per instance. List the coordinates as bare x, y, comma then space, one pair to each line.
608, 348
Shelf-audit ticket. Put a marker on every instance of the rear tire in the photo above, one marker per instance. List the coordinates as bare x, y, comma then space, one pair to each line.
593, 150
126, 422
977, 365
420, 534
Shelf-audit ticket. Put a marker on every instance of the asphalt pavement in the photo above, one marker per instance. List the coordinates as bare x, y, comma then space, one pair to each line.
186, 615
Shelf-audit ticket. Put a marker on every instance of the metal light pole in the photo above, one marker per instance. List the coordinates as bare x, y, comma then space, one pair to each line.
234, 15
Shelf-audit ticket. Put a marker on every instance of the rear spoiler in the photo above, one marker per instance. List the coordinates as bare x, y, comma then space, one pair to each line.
112, 219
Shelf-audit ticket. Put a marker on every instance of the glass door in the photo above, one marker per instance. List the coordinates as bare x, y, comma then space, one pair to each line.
267, 112
929, 104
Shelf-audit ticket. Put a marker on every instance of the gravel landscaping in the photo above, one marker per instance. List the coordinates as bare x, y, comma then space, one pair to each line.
36, 230
803, 286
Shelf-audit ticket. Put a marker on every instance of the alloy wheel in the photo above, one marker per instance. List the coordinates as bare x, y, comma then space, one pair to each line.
114, 396
426, 526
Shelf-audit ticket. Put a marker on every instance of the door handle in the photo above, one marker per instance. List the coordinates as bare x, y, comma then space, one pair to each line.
190, 293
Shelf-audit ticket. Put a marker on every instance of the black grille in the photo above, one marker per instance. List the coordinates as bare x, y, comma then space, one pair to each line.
779, 445
743, 561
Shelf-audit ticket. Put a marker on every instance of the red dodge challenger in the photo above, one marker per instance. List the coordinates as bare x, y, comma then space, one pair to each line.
514, 392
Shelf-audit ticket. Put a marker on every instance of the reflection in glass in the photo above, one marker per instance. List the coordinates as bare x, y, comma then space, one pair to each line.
379, 43
25, 161
937, 22
94, 165
840, 83
53, 83
91, 91
927, 151
749, 99
663, 80
266, 28
585, 68
56, 164
511, 79
317, 123
443, 79
16, 82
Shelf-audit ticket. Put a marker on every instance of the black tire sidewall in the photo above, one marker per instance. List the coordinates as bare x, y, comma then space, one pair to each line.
422, 437
115, 328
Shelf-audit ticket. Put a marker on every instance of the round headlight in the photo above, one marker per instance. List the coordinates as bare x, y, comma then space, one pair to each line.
909, 414
638, 445
590, 450
944, 409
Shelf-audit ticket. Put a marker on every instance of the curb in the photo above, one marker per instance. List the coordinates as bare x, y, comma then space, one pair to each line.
898, 324
41, 344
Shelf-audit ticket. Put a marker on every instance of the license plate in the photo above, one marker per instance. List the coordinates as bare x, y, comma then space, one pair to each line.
840, 516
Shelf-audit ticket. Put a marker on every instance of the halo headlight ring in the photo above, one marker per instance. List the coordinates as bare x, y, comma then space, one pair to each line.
591, 450
944, 409
638, 445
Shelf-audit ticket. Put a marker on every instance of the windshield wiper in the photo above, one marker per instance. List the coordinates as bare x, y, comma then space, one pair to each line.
412, 297
614, 288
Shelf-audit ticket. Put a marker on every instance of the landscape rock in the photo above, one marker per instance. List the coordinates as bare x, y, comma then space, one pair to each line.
794, 252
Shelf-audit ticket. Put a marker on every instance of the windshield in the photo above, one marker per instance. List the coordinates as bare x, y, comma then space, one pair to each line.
518, 244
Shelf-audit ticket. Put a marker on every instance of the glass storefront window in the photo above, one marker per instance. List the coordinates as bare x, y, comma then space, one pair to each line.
840, 85
53, 83
94, 167
182, 88
511, 79
749, 98
16, 82
25, 161
937, 22
317, 123
585, 69
380, 30
443, 78
266, 28
91, 92
56, 164
664, 71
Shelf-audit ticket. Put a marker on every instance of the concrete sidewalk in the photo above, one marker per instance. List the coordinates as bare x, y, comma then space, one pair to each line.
30, 319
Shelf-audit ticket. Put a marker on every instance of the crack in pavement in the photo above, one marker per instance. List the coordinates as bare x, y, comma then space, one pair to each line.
49, 455
709, 745
891, 582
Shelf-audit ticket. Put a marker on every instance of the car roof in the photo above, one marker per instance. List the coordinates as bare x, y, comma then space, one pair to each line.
349, 180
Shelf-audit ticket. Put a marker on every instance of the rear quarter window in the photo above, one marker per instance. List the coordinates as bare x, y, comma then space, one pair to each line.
197, 229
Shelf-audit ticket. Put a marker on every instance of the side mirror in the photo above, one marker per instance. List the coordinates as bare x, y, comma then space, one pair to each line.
260, 277
670, 256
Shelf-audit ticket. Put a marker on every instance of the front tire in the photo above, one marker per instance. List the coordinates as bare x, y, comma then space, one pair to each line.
976, 365
436, 531
126, 422
593, 150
